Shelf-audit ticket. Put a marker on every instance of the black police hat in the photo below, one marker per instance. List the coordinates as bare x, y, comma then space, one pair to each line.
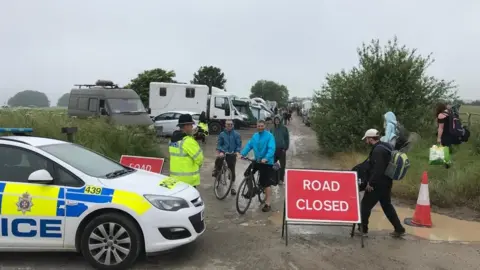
185, 119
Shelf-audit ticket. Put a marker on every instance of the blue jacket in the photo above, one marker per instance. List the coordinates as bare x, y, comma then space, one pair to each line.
229, 142
390, 128
263, 146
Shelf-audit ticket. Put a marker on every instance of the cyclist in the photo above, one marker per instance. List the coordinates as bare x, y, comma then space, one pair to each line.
263, 145
186, 156
229, 145
282, 142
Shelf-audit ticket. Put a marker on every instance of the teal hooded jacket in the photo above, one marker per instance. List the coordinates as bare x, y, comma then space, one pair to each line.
390, 128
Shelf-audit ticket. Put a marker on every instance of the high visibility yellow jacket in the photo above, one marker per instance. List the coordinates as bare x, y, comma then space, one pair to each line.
204, 126
186, 158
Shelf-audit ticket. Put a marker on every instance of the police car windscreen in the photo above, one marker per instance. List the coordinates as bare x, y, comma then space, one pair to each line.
83, 159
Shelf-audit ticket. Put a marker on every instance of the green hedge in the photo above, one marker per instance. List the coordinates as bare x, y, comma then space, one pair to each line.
94, 133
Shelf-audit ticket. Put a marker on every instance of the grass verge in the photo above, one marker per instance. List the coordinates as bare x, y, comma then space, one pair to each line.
457, 186
94, 133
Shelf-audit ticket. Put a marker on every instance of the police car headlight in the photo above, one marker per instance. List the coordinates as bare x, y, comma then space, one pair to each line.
167, 203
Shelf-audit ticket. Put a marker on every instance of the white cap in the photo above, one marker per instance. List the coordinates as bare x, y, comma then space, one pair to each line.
371, 133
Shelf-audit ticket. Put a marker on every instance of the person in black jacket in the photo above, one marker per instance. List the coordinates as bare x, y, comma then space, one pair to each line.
379, 186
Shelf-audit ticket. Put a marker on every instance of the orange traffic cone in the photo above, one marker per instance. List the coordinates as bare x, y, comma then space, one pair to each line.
422, 217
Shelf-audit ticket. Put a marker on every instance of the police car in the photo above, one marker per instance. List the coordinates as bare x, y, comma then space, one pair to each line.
59, 196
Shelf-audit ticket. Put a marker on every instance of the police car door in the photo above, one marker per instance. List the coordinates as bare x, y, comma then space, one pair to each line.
31, 215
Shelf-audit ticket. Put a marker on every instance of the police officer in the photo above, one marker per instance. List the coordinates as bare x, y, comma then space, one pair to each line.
186, 156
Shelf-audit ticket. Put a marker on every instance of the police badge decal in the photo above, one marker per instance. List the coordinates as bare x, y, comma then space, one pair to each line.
24, 203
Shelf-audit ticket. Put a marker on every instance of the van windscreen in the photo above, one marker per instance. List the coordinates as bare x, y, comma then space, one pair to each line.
126, 105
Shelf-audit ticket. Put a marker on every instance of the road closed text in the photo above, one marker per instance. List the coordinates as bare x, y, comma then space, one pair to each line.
319, 204
321, 196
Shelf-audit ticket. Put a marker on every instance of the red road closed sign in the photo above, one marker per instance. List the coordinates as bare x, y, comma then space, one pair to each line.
321, 196
150, 164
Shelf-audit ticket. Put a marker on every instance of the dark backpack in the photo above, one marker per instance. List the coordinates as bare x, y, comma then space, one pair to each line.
457, 130
402, 136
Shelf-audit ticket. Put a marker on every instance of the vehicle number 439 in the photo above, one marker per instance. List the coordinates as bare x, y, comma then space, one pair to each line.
93, 190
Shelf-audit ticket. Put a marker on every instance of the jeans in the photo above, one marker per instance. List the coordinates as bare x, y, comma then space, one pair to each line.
231, 162
383, 194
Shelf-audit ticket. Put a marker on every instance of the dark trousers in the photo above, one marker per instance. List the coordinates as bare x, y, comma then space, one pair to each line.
281, 155
231, 162
382, 194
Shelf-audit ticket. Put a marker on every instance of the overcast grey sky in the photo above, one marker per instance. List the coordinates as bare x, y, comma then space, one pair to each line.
49, 45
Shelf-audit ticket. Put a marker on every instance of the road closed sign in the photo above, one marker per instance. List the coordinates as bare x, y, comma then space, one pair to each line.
321, 196
143, 163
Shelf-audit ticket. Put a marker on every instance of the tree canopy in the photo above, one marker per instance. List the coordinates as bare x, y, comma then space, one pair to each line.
141, 84
29, 98
210, 76
389, 78
270, 90
63, 100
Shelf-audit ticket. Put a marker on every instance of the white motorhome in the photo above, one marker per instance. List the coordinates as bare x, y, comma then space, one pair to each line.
258, 100
306, 108
164, 97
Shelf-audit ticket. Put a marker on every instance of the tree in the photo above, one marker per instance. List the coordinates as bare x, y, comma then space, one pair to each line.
141, 84
210, 76
390, 78
269, 90
29, 98
63, 100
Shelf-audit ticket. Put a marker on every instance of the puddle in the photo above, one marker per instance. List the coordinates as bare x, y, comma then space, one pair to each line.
444, 228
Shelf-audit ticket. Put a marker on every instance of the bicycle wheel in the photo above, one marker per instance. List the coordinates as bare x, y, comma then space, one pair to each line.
223, 184
243, 193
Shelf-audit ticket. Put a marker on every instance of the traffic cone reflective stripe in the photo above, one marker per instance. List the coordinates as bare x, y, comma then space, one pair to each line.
422, 216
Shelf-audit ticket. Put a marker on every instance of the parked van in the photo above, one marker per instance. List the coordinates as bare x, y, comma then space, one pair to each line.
122, 106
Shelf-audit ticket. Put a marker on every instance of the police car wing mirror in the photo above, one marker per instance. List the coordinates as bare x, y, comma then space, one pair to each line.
40, 176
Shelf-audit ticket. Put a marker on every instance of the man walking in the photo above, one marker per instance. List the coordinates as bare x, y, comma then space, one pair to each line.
282, 142
229, 145
379, 186
263, 145
186, 156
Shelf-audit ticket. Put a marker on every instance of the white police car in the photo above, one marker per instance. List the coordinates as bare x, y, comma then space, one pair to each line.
59, 196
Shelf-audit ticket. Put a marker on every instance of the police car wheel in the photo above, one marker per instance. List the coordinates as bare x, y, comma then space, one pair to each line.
111, 241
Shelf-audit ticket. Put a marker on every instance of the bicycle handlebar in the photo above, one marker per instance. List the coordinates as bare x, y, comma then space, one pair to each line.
248, 159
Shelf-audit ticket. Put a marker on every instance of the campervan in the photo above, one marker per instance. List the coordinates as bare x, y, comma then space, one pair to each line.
104, 98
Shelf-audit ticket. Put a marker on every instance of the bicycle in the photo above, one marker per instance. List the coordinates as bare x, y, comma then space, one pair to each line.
222, 177
250, 187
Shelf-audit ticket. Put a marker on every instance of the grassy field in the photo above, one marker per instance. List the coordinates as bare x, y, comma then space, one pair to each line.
473, 110
94, 133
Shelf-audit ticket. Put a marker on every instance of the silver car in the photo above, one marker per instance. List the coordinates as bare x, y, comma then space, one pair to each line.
167, 122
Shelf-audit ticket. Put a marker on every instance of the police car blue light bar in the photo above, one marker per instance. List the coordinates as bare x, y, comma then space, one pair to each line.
16, 130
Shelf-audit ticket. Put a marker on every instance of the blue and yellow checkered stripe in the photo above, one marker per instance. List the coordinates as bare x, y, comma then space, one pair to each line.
49, 201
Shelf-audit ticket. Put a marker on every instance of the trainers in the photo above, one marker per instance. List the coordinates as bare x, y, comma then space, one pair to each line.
233, 192
396, 234
266, 208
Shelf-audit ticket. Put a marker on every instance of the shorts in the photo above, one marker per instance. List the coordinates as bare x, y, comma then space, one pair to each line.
265, 172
